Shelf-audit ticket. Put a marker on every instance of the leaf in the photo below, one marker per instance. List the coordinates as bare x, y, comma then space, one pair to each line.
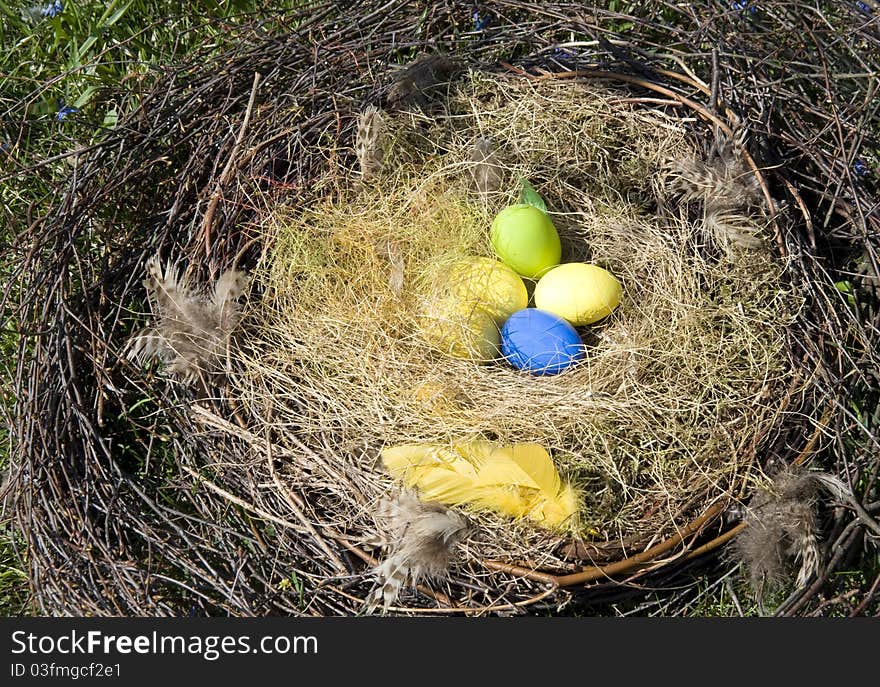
87, 45
518, 480
84, 97
530, 196
110, 119
109, 19
846, 288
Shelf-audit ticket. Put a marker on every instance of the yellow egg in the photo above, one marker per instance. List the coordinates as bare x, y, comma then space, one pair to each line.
489, 284
461, 330
579, 292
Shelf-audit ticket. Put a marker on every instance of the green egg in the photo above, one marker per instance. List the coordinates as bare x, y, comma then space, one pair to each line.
525, 239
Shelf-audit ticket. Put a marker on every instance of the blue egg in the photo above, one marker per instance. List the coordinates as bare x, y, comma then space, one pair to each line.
540, 342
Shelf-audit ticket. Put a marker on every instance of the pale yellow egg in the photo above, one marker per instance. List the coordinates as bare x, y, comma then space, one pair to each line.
488, 284
580, 292
461, 330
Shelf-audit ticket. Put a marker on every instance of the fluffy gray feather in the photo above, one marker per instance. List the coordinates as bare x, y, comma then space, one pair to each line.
369, 137
192, 327
418, 83
397, 266
419, 538
727, 189
484, 168
782, 531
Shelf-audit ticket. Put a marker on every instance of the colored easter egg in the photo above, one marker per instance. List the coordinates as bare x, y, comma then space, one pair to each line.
540, 342
461, 330
580, 292
489, 284
525, 239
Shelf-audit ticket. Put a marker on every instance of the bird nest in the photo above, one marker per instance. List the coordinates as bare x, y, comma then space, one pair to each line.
679, 385
290, 238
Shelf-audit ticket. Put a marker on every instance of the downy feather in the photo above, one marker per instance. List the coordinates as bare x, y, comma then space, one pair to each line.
727, 189
782, 529
419, 538
518, 480
368, 141
485, 170
397, 266
421, 81
191, 330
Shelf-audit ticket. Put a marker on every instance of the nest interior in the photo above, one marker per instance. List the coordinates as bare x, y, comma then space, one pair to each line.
139, 497
679, 385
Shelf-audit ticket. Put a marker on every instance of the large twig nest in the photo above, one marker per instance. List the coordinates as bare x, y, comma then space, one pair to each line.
738, 346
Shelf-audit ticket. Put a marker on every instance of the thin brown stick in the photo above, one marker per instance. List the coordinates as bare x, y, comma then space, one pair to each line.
810, 447
592, 573
201, 479
297, 506
205, 416
839, 599
872, 592
805, 213
717, 542
477, 610
227, 170
714, 100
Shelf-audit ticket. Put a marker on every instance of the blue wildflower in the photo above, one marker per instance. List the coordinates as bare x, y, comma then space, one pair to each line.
864, 7
480, 24
52, 9
742, 6
860, 168
64, 110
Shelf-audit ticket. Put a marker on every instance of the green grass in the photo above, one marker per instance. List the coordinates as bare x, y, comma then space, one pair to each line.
65, 80
14, 595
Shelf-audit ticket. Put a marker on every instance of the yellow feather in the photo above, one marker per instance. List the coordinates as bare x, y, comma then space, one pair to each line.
518, 480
